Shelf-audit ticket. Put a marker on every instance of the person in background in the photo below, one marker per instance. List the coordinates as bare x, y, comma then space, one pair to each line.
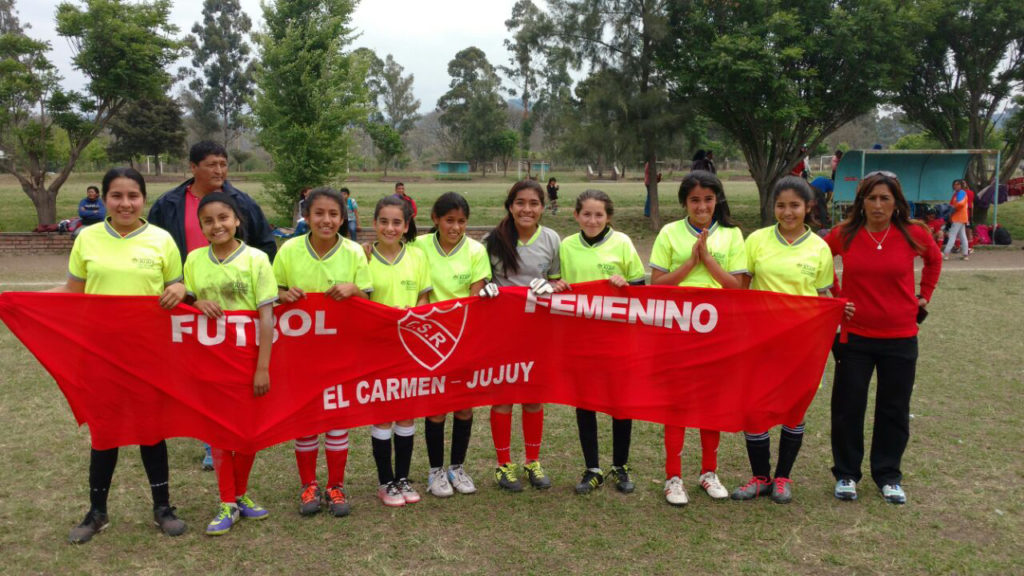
709, 162
91, 209
958, 222
822, 188
835, 163
553, 195
353, 215
802, 168
400, 192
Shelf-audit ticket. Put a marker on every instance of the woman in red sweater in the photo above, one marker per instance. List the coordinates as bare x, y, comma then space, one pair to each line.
878, 244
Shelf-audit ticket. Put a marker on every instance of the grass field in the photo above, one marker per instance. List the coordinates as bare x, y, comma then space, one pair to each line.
962, 471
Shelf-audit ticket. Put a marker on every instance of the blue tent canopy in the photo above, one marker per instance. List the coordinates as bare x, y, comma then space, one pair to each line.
926, 175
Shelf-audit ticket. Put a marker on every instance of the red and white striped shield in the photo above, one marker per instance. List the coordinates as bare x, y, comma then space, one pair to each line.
432, 337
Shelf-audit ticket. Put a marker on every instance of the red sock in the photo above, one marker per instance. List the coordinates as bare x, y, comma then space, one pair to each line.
533, 433
674, 437
336, 449
336, 462
501, 434
306, 450
224, 465
709, 440
243, 466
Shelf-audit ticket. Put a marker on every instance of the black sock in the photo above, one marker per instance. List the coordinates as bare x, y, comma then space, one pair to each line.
760, 453
382, 457
403, 455
622, 435
434, 431
789, 447
154, 459
461, 432
586, 422
101, 471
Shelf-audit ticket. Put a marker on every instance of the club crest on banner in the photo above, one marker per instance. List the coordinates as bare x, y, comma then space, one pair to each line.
432, 337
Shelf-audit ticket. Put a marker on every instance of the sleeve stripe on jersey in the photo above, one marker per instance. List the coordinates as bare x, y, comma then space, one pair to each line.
267, 301
656, 267
174, 281
426, 290
73, 277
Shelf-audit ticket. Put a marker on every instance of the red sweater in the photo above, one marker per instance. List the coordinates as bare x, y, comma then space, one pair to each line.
880, 283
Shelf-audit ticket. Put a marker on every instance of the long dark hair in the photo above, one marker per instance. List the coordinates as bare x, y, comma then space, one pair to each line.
706, 179
325, 192
900, 216
406, 208
503, 240
802, 189
228, 201
447, 202
123, 172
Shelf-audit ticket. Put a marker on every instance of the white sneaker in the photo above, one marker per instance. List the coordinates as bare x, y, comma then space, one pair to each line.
709, 482
390, 495
675, 494
437, 483
460, 480
409, 494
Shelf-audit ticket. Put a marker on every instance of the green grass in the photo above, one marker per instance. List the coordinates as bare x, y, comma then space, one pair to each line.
963, 468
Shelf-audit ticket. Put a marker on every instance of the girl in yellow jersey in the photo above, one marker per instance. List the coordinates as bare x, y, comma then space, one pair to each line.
705, 249
126, 256
322, 261
400, 279
229, 275
790, 259
599, 253
458, 268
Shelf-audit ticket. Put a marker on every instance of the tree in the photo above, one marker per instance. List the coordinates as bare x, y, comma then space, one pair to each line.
309, 91
148, 127
776, 75
600, 131
473, 110
532, 32
220, 50
967, 68
388, 142
400, 107
122, 50
9, 18
627, 36
505, 145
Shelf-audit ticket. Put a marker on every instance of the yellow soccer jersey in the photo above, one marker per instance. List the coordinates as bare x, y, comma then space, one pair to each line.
399, 283
142, 263
614, 254
243, 281
674, 245
297, 265
803, 268
452, 274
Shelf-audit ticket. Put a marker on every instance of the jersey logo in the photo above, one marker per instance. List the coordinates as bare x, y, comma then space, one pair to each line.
432, 337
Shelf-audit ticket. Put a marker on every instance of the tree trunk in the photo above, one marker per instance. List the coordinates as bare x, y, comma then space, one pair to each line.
652, 188
45, 203
159, 166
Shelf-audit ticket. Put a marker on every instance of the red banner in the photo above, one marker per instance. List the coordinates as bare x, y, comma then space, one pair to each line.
719, 359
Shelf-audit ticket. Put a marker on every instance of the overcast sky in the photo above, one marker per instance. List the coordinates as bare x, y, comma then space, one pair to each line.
422, 36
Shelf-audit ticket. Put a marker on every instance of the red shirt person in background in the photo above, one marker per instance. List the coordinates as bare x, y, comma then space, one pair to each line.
878, 244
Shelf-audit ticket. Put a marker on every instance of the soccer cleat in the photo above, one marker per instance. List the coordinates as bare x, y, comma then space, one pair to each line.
894, 494
782, 493
94, 523
846, 489
409, 494
535, 473
225, 519
336, 501
757, 486
675, 494
437, 483
309, 499
507, 479
710, 483
390, 495
623, 483
591, 480
168, 522
460, 480
208, 457
250, 510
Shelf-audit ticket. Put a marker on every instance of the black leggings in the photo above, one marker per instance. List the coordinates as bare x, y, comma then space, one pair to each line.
622, 433
101, 471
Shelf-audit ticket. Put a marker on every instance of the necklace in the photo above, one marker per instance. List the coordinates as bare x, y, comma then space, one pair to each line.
878, 242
